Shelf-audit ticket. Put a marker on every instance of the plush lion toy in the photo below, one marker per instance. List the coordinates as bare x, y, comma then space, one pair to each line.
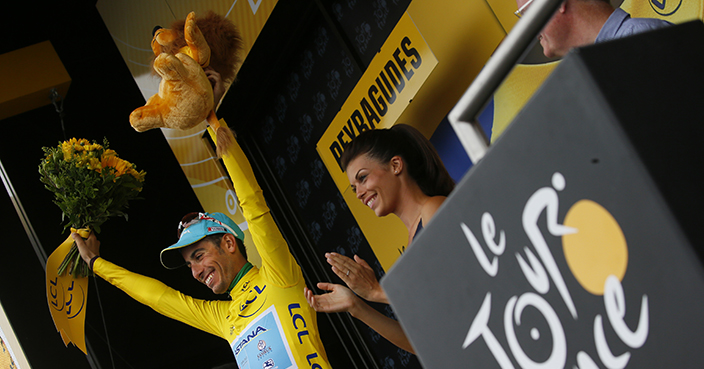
185, 96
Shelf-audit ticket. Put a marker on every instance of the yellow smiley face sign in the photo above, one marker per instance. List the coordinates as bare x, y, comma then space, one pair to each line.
67, 297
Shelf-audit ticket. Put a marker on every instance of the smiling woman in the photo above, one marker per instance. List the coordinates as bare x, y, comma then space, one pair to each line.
408, 168
392, 171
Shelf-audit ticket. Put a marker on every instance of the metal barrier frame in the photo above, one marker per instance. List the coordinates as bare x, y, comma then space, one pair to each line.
463, 117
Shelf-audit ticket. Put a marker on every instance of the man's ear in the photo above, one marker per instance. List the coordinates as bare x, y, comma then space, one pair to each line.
230, 243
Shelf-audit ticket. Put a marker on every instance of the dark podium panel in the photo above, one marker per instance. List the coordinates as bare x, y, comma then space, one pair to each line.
576, 241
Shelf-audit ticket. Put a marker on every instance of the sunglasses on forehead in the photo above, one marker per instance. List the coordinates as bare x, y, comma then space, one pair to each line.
195, 217
186, 221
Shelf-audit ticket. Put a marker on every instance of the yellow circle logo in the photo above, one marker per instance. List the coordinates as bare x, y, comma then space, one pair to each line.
598, 249
665, 7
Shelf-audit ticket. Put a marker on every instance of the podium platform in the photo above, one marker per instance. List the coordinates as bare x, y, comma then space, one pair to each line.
577, 240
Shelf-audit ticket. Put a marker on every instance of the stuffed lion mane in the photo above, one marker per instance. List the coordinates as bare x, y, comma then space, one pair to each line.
181, 52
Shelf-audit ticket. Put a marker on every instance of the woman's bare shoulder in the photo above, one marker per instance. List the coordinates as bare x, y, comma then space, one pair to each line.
431, 207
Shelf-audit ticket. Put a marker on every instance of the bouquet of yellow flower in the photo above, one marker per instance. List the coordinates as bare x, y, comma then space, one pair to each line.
90, 184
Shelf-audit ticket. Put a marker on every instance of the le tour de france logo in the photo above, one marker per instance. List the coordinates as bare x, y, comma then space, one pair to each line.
595, 252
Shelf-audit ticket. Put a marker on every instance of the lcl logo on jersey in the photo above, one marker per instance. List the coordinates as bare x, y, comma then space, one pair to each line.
665, 7
251, 298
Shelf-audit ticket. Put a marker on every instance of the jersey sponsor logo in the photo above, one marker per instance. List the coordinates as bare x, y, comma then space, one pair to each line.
253, 296
254, 333
263, 349
263, 339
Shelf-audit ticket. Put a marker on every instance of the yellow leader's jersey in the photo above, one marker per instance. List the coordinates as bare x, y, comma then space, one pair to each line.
268, 323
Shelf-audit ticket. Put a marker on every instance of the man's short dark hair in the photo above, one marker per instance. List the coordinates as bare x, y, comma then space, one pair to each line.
217, 238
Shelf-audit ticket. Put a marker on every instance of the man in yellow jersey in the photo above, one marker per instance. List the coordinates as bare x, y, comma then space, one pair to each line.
268, 322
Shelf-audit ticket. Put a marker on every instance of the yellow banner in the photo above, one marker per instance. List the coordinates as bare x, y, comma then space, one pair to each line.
67, 297
387, 87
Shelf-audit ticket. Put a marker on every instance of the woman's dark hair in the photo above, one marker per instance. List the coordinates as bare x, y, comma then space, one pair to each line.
421, 160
